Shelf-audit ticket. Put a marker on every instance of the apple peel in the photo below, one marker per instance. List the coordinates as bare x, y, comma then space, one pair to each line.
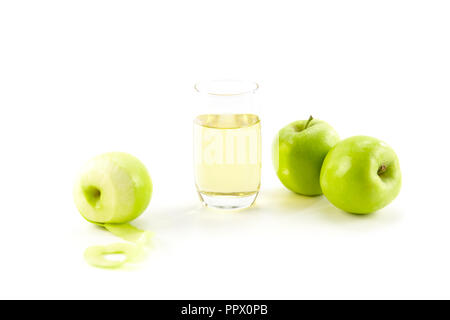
96, 255
129, 233
132, 252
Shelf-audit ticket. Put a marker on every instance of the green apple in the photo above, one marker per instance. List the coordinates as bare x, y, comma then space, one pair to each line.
361, 175
298, 152
113, 187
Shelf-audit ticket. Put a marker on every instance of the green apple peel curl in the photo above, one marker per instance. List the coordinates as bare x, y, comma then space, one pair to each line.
111, 190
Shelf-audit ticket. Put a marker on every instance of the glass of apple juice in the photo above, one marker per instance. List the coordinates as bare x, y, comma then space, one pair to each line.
227, 144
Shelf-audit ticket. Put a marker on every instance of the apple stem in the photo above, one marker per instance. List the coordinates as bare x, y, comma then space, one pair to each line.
309, 121
382, 169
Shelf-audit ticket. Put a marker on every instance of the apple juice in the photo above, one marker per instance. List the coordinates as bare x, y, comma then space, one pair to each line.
227, 155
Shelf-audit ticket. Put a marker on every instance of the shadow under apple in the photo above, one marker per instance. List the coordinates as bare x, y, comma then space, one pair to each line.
284, 201
276, 205
302, 208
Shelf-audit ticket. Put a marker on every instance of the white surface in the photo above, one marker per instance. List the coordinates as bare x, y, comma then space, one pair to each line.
83, 77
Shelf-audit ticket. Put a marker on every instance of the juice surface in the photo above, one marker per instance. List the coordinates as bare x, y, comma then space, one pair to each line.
227, 154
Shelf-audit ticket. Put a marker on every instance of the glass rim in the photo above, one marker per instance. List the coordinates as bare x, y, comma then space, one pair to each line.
241, 87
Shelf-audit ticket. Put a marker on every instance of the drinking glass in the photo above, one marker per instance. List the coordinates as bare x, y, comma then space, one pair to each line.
227, 144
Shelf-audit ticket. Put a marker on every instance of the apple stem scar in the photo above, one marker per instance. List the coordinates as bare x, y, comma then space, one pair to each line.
382, 169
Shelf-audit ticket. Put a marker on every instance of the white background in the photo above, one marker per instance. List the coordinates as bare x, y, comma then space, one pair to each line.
78, 78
